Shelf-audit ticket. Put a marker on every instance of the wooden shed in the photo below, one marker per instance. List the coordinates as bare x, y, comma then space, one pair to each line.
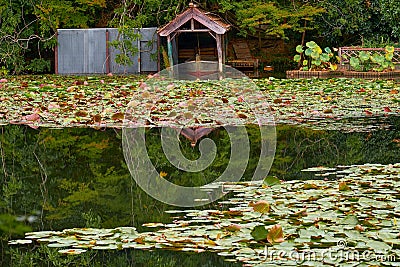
195, 34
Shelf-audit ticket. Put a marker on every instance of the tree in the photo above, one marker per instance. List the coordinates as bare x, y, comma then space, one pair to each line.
28, 28
390, 11
353, 22
270, 18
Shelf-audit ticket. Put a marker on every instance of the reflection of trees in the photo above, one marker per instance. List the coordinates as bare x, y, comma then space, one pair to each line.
299, 148
77, 177
137, 258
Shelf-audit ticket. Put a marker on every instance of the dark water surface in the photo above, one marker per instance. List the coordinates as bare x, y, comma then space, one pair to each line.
52, 179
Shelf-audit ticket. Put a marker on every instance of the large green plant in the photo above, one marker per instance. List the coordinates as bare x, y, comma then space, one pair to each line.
368, 60
312, 57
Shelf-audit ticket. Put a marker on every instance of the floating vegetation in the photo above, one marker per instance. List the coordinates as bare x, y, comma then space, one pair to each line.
348, 221
102, 101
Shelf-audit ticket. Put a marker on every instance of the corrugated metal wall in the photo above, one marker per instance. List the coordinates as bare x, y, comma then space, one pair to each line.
84, 51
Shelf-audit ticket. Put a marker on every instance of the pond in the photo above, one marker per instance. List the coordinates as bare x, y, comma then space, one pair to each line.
59, 179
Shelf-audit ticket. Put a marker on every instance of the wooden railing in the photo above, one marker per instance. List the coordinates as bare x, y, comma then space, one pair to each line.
349, 52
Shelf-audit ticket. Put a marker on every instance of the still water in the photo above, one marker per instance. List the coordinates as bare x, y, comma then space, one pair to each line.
52, 179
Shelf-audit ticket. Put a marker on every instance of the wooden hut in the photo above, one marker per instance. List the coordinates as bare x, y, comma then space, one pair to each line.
195, 34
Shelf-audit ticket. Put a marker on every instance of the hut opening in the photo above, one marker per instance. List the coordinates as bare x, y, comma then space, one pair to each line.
195, 35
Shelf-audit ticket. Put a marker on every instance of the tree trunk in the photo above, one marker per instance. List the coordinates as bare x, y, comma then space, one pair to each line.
303, 38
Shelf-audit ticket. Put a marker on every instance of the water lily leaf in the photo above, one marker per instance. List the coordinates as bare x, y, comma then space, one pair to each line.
259, 233
233, 227
271, 181
378, 246
72, 251
81, 113
20, 242
261, 206
275, 234
32, 117
343, 186
350, 220
153, 225
308, 186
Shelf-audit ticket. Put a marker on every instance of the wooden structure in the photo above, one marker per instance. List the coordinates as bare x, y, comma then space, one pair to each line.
349, 52
244, 61
195, 35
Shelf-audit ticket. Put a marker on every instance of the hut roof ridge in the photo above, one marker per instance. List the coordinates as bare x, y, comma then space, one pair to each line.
220, 26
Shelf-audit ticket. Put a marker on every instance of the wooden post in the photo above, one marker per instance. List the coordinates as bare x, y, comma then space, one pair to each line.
158, 54
219, 51
169, 47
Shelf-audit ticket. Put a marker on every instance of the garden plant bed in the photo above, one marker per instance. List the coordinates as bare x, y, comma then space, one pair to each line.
296, 74
372, 74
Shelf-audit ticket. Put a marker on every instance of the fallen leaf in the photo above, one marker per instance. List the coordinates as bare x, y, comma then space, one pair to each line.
32, 117
81, 113
367, 112
118, 116
275, 234
233, 227
343, 186
261, 206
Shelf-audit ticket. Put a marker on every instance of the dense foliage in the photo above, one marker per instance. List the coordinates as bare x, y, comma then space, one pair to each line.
28, 28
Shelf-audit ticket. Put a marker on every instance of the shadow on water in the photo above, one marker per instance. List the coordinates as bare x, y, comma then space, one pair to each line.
54, 179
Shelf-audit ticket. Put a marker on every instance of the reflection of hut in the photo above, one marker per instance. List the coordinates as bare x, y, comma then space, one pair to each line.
195, 35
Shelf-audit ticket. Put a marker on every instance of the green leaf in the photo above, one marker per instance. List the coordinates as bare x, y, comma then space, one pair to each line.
261, 206
389, 57
343, 186
364, 55
378, 246
349, 220
315, 55
311, 44
389, 49
271, 181
259, 233
317, 62
328, 50
299, 49
355, 63
297, 58
324, 57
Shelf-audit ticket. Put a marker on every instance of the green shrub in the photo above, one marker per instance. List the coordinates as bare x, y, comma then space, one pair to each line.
314, 58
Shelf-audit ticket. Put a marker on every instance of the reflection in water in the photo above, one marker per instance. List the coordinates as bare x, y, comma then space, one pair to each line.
63, 178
